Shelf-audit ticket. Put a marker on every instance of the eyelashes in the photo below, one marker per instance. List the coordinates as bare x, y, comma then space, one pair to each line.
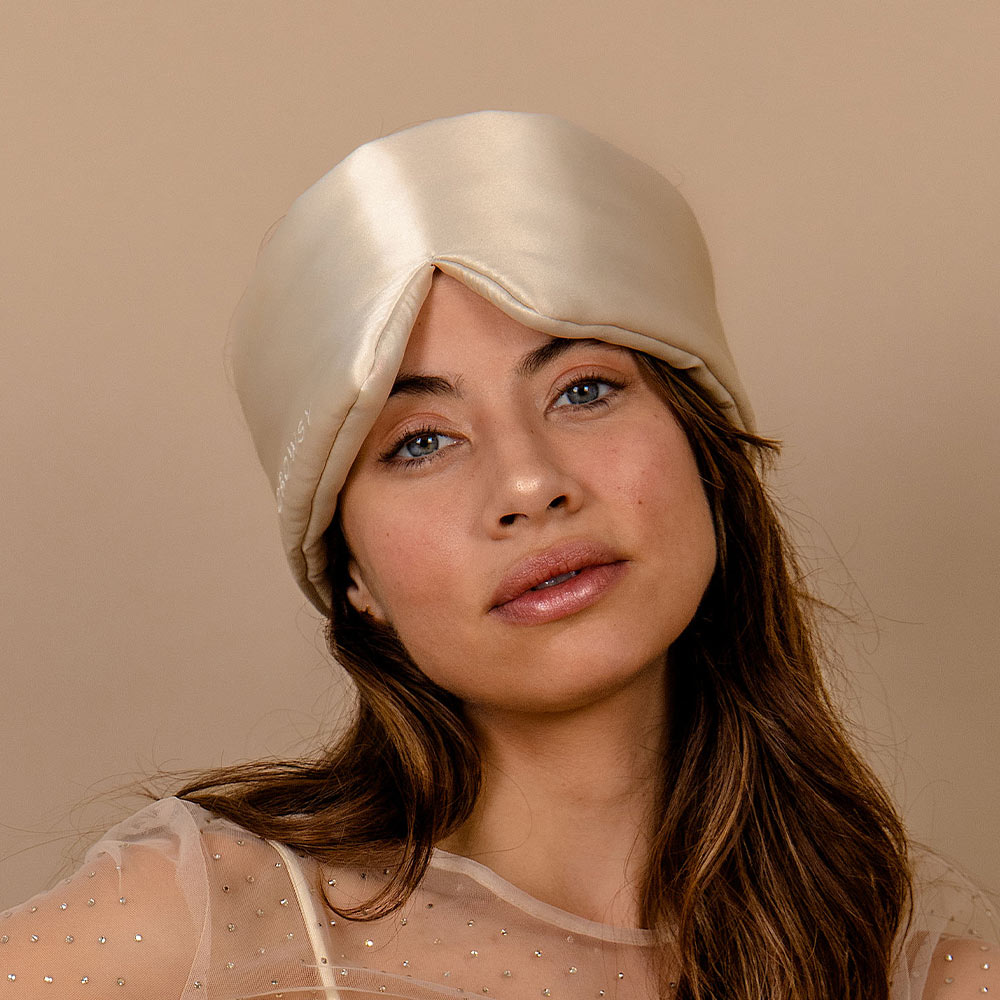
588, 382
430, 437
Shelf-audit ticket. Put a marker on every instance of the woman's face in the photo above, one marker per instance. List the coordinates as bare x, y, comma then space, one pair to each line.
526, 512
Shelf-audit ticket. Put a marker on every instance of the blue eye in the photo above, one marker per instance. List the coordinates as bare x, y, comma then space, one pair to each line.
422, 445
583, 392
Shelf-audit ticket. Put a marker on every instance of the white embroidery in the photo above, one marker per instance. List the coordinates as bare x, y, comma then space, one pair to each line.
288, 457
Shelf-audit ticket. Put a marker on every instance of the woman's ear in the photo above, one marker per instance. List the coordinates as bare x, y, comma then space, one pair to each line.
360, 596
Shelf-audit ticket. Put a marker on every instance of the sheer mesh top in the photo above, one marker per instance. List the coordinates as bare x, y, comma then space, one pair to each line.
178, 903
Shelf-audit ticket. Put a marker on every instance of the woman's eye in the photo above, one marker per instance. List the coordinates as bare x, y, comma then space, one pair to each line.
587, 391
422, 445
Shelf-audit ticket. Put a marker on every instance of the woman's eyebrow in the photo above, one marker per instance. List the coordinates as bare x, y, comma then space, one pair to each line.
415, 384
535, 360
407, 384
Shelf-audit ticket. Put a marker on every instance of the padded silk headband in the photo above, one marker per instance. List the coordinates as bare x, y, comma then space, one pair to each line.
565, 233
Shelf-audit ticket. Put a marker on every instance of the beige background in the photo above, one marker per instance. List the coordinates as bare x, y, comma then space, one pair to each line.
842, 157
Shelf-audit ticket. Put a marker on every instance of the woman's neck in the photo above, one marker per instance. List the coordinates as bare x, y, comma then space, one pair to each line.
566, 808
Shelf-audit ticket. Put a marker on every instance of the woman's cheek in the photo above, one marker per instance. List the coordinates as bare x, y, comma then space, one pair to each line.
415, 564
619, 476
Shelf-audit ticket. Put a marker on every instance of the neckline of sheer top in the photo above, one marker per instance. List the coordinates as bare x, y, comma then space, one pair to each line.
458, 864
496, 885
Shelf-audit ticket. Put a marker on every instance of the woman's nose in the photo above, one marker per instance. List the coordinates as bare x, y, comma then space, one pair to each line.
529, 482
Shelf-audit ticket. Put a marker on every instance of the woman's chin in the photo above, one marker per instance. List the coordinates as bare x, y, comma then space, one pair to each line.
551, 688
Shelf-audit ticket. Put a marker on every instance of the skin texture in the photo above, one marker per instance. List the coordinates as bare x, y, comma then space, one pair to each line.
568, 712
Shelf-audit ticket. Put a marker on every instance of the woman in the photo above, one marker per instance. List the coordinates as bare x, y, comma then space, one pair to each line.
592, 753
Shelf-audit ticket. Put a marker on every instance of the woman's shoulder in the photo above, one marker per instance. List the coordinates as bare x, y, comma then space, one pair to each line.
948, 902
951, 943
170, 902
962, 966
180, 831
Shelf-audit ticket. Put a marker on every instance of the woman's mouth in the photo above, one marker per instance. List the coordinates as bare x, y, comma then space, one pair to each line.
556, 583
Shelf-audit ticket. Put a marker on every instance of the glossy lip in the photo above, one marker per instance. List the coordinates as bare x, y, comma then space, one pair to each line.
597, 566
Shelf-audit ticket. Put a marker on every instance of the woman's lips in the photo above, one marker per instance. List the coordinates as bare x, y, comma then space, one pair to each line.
556, 583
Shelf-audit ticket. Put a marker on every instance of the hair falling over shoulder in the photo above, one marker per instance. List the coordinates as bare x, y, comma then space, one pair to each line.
779, 865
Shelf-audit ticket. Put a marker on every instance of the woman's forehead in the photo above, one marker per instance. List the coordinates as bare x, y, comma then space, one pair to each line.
452, 316
456, 328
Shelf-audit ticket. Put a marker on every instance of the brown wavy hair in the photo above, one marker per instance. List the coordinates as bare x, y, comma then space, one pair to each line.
778, 868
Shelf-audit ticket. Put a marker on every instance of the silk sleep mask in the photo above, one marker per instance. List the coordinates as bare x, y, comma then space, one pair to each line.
564, 232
